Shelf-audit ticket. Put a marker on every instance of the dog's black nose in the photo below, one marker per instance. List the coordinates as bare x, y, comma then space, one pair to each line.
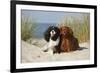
52, 31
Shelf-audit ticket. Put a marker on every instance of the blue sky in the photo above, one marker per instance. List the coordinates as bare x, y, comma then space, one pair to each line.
49, 16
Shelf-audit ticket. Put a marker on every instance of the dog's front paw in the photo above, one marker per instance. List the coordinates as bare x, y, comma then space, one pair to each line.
50, 52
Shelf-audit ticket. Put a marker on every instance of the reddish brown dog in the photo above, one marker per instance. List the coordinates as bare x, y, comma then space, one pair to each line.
68, 41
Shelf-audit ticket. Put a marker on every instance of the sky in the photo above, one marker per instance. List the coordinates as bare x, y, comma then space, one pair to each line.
49, 16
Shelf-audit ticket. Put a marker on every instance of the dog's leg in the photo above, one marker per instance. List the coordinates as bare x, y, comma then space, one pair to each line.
50, 51
56, 50
45, 48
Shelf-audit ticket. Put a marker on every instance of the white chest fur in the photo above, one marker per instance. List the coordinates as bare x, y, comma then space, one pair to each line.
53, 43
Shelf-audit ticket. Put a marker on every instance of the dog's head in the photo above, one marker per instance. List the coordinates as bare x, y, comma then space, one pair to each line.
66, 31
52, 32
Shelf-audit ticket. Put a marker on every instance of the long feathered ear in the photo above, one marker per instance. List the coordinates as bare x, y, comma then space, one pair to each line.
60, 29
47, 35
70, 31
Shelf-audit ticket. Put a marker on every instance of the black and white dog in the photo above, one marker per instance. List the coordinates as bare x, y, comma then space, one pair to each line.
52, 36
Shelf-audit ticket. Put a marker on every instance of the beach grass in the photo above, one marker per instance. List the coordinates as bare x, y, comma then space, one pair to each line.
27, 28
80, 27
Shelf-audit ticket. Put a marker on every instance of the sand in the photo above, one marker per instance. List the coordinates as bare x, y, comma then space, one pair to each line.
32, 51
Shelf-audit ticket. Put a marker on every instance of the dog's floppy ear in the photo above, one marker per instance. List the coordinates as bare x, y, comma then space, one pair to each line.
60, 29
70, 31
47, 35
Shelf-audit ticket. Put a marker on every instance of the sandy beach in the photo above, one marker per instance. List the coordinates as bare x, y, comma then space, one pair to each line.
32, 52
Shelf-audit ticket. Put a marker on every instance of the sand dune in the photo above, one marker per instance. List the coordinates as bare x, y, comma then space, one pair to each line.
33, 53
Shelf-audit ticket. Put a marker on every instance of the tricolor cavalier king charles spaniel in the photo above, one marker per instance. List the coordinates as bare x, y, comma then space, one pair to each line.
52, 36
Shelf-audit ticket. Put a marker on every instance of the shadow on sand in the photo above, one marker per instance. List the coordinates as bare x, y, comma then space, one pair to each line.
82, 48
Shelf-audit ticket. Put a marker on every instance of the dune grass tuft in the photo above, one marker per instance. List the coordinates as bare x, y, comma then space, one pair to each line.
27, 28
80, 27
